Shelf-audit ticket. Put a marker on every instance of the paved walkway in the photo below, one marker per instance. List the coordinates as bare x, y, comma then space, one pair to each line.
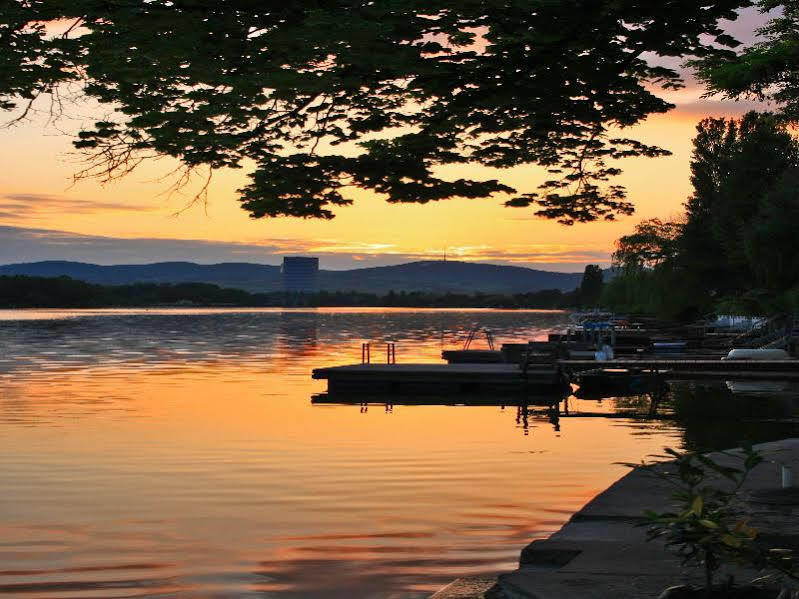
601, 554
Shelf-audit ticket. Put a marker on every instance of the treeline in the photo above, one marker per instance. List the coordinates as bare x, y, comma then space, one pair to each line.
545, 299
736, 248
64, 292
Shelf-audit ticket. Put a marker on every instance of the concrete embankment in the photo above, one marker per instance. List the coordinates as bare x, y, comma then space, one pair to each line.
601, 553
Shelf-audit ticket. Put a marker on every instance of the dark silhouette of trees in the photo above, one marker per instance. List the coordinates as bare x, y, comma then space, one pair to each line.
767, 70
315, 97
737, 247
652, 243
590, 287
63, 292
735, 165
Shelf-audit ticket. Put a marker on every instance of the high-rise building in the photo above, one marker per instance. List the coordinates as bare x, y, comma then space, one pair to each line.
300, 274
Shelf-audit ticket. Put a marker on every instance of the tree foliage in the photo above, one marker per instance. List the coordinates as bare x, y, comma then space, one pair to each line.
735, 165
318, 96
767, 70
737, 246
591, 286
652, 243
21, 291
708, 527
771, 240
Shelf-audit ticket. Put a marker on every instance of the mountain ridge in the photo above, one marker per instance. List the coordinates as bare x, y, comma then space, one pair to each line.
437, 276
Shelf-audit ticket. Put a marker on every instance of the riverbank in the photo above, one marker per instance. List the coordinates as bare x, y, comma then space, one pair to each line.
600, 553
21, 291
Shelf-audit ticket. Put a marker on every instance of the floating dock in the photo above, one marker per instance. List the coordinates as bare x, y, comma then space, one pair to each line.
432, 379
549, 367
473, 356
679, 368
440, 378
449, 399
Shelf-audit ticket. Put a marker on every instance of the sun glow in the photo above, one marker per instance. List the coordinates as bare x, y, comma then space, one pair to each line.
38, 197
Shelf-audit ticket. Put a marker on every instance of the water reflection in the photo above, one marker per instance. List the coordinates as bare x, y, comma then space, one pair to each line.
527, 411
718, 415
176, 453
298, 334
104, 338
712, 415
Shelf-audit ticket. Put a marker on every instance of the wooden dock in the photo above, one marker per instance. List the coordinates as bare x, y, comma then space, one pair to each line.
439, 378
473, 356
540, 374
508, 399
698, 368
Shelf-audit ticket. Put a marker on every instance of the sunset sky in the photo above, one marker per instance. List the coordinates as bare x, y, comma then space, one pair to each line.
43, 216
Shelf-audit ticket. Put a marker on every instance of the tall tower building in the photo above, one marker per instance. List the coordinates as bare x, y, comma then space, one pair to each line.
300, 274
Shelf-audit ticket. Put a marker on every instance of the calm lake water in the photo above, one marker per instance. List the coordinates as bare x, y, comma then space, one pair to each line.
177, 453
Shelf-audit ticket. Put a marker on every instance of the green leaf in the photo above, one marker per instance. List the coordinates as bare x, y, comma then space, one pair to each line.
697, 504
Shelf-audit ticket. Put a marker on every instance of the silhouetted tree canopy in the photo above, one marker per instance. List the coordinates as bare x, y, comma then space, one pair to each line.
21, 291
735, 163
738, 247
767, 70
591, 286
315, 96
653, 242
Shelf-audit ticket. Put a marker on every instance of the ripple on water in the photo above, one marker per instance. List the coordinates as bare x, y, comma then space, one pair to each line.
177, 454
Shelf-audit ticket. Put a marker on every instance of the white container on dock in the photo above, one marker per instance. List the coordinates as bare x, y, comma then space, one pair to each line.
757, 354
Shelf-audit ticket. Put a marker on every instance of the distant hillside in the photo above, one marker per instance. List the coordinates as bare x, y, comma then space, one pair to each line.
431, 276
441, 277
251, 277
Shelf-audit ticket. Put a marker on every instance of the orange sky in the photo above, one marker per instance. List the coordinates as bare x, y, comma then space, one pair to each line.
37, 198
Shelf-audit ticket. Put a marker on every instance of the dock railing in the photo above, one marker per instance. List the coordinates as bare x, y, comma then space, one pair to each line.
391, 353
473, 333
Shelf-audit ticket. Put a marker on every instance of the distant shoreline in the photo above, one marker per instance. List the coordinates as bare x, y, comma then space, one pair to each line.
24, 292
169, 310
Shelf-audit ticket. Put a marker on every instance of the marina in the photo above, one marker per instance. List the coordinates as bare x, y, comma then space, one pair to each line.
485, 377
698, 368
598, 356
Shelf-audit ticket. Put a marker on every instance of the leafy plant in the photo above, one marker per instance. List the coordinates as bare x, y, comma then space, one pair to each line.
708, 527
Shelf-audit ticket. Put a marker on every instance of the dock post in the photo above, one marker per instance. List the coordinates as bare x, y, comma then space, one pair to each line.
366, 353
391, 353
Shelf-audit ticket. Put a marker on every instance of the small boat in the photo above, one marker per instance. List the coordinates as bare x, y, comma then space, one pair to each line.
757, 387
757, 354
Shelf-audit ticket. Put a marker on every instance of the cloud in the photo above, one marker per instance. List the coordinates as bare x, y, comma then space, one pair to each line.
30, 206
19, 244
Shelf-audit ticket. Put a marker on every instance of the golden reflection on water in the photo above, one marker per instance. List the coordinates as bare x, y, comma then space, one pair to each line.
199, 467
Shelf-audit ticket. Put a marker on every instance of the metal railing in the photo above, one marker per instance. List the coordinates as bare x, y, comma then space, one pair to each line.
473, 333
391, 353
